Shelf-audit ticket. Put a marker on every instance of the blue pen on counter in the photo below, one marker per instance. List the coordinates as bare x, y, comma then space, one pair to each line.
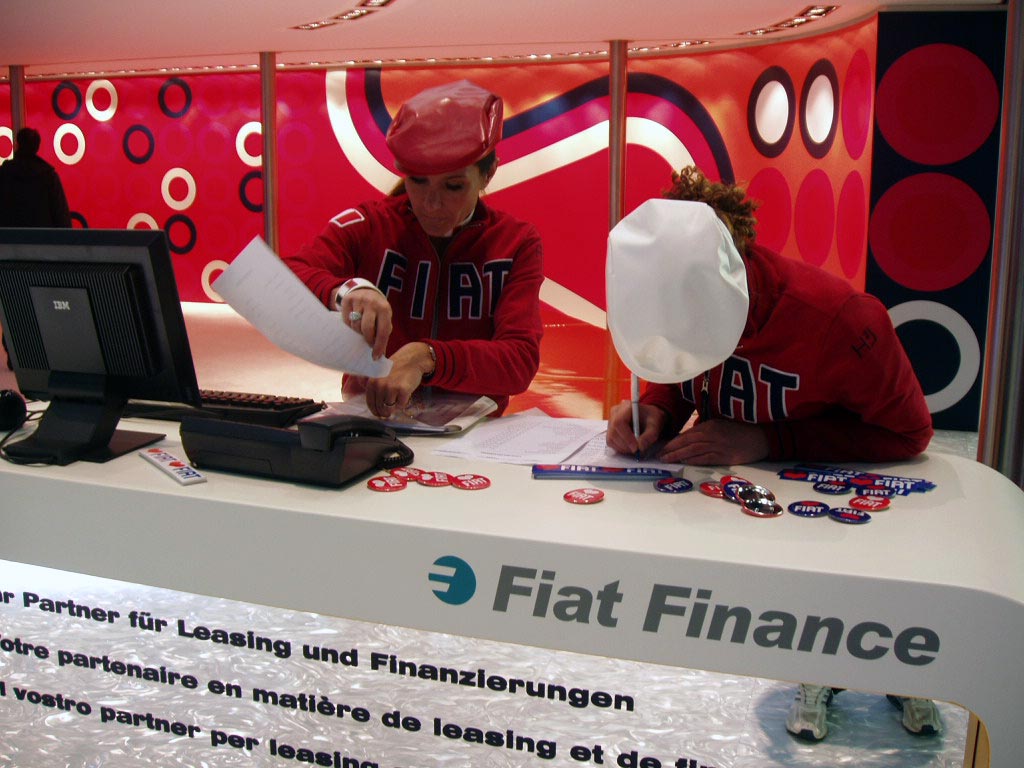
591, 472
634, 383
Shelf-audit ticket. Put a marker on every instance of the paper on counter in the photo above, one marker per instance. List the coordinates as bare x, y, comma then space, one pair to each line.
596, 452
524, 438
263, 290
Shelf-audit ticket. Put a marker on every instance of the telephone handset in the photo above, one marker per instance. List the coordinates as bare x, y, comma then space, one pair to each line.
325, 449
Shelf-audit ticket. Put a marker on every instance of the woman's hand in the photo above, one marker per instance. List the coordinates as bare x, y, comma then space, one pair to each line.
620, 428
717, 442
392, 392
374, 317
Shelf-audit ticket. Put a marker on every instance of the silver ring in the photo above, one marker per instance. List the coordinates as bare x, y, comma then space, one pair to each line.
355, 316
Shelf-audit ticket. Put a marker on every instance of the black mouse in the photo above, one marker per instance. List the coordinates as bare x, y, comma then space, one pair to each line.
12, 410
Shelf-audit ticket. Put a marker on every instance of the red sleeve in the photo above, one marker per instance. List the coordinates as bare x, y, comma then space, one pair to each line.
669, 398
506, 363
879, 412
329, 259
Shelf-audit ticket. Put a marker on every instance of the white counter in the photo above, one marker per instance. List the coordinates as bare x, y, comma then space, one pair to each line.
927, 599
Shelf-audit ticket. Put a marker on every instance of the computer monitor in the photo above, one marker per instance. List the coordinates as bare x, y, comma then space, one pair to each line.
91, 318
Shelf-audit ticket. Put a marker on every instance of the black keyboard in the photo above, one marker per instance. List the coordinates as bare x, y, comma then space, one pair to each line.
249, 407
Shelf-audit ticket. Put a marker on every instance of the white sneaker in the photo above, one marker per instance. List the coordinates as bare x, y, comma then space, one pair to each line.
920, 716
806, 718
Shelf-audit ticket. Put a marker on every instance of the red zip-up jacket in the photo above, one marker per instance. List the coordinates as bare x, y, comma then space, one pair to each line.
819, 366
478, 304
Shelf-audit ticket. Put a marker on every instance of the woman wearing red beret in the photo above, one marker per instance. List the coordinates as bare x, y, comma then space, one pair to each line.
445, 286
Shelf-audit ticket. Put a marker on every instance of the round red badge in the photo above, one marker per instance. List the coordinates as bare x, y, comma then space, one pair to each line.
584, 496
869, 503
406, 473
386, 483
434, 479
470, 482
712, 489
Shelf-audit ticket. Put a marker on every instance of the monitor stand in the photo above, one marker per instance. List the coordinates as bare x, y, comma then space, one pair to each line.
75, 430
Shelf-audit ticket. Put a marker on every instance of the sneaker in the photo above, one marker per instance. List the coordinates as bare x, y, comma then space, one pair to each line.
806, 718
920, 716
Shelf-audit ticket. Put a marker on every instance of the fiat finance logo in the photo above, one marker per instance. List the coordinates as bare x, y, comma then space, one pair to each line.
457, 577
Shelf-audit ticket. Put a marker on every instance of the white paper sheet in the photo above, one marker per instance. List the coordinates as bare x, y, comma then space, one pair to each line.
524, 438
263, 290
597, 453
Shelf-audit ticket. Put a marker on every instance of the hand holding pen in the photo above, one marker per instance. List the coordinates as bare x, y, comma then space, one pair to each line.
621, 435
634, 384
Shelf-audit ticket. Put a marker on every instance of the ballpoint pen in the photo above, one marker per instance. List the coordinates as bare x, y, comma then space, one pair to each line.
634, 382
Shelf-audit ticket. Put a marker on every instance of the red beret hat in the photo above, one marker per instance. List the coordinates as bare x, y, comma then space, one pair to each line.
445, 129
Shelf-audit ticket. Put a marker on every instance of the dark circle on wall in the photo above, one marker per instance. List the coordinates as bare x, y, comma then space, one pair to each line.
243, 193
186, 91
180, 218
126, 144
779, 76
67, 85
82, 223
821, 68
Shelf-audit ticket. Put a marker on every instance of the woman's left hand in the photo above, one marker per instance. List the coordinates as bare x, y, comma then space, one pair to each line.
392, 392
717, 442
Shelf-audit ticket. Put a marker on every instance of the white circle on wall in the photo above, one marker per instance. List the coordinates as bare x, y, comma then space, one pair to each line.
102, 115
165, 189
966, 341
69, 129
247, 130
7, 133
142, 218
217, 265
771, 112
820, 109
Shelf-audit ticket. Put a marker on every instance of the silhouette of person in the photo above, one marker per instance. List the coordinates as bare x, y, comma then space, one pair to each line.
31, 194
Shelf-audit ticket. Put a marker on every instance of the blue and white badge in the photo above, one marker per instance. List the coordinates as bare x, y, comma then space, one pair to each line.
834, 489
849, 515
673, 485
730, 489
809, 508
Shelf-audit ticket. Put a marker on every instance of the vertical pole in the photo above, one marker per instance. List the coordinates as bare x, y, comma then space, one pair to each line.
1001, 430
268, 122
616, 182
17, 77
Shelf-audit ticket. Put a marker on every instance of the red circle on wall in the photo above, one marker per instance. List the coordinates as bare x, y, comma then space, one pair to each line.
856, 106
815, 219
930, 232
937, 104
770, 188
852, 224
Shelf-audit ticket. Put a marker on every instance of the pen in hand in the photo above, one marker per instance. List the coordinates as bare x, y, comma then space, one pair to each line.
634, 382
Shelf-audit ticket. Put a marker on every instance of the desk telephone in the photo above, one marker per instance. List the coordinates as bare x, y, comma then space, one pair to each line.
326, 449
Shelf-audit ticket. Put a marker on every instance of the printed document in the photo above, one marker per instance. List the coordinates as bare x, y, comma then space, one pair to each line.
263, 290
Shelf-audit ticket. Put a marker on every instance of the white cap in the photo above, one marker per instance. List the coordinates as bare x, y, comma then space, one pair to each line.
676, 290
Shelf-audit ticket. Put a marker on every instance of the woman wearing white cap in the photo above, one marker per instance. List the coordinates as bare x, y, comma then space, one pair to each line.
779, 359
447, 287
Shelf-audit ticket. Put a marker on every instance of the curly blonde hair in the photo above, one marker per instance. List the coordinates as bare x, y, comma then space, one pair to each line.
727, 200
